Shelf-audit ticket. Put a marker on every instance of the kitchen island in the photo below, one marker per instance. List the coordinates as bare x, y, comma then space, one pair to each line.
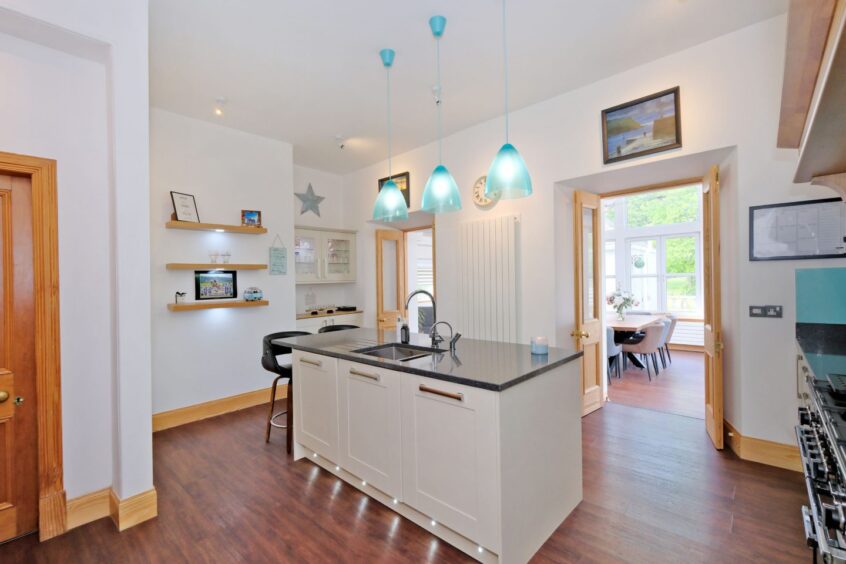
482, 447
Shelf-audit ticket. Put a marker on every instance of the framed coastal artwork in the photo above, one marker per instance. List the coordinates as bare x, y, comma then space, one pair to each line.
215, 284
641, 127
403, 182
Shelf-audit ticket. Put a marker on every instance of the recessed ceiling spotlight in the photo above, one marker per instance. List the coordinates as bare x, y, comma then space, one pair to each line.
341, 142
219, 102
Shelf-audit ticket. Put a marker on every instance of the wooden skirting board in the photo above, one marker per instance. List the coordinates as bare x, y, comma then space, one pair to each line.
760, 450
125, 513
688, 348
191, 413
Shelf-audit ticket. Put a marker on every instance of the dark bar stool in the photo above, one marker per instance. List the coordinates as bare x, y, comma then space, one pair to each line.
269, 362
330, 328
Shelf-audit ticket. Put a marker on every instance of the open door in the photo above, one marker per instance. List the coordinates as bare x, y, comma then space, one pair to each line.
588, 331
713, 328
390, 277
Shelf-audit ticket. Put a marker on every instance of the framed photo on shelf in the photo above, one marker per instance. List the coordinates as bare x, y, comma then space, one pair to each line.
184, 207
251, 218
215, 284
641, 127
403, 182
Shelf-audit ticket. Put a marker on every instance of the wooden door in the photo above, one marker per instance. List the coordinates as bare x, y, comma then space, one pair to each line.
390, 277
711, 284
371, 425
588, 298
18, 441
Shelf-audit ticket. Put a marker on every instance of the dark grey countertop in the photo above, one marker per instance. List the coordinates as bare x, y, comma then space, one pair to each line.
480, 364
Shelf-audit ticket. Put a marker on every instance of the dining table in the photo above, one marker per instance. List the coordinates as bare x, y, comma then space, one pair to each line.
632, 323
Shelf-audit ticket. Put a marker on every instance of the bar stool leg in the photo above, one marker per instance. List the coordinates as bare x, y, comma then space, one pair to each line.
272, 404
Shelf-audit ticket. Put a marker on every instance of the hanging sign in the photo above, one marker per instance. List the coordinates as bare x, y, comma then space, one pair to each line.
278, 258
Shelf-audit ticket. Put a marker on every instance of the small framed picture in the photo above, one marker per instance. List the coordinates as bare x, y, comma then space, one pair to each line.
403, 182
251, 218
215, 284
184, 207
642, 127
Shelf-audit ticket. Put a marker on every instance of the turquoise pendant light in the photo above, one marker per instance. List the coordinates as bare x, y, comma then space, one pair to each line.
390, 203
441, 193
508, 176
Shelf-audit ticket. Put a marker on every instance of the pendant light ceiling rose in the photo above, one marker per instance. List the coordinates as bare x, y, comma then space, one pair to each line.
387, 56
437, 25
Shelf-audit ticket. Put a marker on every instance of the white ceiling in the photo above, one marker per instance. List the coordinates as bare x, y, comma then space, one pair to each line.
305, 70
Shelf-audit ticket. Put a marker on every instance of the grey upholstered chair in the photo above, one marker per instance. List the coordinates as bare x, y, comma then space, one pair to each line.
648, 347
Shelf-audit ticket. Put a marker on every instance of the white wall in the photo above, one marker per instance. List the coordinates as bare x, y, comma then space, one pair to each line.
730, 96
85, 104
204, 355
332, 216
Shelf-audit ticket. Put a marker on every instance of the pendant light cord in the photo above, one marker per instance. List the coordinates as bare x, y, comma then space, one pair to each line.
505, 67
438, 101
388, 82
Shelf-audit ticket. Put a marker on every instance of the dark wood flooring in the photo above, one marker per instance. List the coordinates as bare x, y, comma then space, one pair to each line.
654, 491
679, 389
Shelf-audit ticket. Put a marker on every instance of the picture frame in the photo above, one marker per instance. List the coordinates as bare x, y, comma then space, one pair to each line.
403, 182
648, 125
184, 207
804, 230
251, 218
215, 285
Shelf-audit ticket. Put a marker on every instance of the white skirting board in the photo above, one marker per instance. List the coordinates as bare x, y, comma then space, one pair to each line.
488, 278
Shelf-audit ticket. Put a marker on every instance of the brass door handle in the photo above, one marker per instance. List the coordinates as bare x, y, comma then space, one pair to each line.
4, 395
437, 392
581, 334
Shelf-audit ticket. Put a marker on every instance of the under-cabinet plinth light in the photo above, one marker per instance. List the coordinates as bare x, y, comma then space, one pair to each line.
396, 501
433, 523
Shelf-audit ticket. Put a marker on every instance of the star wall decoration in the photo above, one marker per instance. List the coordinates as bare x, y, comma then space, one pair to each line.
310, 200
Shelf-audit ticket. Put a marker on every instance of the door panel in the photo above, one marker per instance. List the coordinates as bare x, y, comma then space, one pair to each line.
390, 277
588, 330
316, 398
713, 327
18, 441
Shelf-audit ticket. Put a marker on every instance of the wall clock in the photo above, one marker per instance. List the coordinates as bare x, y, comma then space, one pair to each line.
483, 202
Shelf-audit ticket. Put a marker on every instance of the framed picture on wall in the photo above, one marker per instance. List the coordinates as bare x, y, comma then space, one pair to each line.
215, 284
251, 218
642, 127
403, 182
184, 207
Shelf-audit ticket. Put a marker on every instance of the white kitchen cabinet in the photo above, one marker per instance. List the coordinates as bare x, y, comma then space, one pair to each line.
323, 256
370, 425
313, 324
450, 455
316, 403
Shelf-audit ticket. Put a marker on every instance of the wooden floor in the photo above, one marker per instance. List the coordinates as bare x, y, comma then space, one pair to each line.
654, 491
679, 389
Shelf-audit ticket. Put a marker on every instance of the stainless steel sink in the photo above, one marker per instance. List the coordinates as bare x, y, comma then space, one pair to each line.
397, 351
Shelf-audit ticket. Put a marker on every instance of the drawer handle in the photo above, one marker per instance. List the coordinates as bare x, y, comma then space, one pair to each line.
437, 392
364, 374
312, 362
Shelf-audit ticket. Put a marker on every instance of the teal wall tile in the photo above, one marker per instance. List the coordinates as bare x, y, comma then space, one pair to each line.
821, 295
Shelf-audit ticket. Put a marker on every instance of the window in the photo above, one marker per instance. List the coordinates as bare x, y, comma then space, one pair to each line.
652, 248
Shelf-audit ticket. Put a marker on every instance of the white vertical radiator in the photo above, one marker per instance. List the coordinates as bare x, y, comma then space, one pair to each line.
488, 278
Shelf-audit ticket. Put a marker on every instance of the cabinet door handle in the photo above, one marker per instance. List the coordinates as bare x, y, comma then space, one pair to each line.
312, 362
365, 374
437, 392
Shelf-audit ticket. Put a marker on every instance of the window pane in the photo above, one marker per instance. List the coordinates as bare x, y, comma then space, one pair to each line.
645, 291
681, 294
609, 214
681, 255
610, 288
644, 257
677, 205
610, 263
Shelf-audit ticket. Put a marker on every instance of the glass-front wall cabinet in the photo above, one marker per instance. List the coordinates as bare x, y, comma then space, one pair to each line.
324, 256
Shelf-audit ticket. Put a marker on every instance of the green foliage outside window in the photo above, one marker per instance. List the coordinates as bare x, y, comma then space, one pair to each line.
678, 205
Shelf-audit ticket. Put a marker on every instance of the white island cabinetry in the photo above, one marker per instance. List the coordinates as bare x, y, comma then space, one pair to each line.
492, 472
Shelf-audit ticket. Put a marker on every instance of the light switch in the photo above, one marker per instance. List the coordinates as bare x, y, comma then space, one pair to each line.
772, 311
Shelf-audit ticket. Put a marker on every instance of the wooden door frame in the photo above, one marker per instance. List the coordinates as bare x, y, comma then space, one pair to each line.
52, 509
404, 267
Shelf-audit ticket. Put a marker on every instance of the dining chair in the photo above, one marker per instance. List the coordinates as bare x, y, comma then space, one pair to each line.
673, 320
648, 347
665, 331
614, 352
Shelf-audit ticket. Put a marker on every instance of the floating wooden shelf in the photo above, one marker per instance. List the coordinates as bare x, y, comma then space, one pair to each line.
213, 266
192, 306
219, 227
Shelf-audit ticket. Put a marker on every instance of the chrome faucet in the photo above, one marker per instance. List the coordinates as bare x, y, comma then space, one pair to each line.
437, 339
431, 297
